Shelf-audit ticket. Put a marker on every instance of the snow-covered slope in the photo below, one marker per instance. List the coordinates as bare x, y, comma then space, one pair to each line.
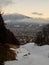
30, 54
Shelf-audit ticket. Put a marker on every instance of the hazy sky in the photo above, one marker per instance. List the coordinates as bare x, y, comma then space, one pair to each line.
32, 8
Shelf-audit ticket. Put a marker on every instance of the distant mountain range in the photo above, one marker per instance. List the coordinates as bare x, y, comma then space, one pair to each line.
13, 18
24, 25
18, 20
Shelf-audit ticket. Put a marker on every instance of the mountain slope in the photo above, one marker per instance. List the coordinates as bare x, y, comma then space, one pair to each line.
30, 54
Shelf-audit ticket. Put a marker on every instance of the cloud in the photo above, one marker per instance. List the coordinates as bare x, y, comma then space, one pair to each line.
5, 2
37, 13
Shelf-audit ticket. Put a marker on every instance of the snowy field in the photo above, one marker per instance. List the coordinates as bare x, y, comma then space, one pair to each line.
30, 54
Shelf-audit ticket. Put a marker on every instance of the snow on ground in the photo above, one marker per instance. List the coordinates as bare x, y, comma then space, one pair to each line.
30, 54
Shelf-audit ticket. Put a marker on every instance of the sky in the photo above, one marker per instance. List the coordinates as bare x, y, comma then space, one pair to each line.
31, 8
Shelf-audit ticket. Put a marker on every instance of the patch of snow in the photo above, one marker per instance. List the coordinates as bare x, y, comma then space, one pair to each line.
30, 54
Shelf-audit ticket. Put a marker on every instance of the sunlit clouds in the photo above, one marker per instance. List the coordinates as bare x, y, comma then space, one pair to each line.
31, 8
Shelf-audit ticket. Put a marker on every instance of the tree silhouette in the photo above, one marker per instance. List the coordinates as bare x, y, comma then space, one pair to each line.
42, 37
6, 38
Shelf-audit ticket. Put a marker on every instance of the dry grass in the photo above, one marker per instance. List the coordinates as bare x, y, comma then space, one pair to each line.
6, 54
13, 46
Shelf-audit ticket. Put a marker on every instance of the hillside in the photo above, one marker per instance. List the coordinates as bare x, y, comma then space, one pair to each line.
30, 54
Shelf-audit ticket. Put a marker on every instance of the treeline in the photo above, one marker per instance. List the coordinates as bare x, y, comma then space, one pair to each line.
42, 37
